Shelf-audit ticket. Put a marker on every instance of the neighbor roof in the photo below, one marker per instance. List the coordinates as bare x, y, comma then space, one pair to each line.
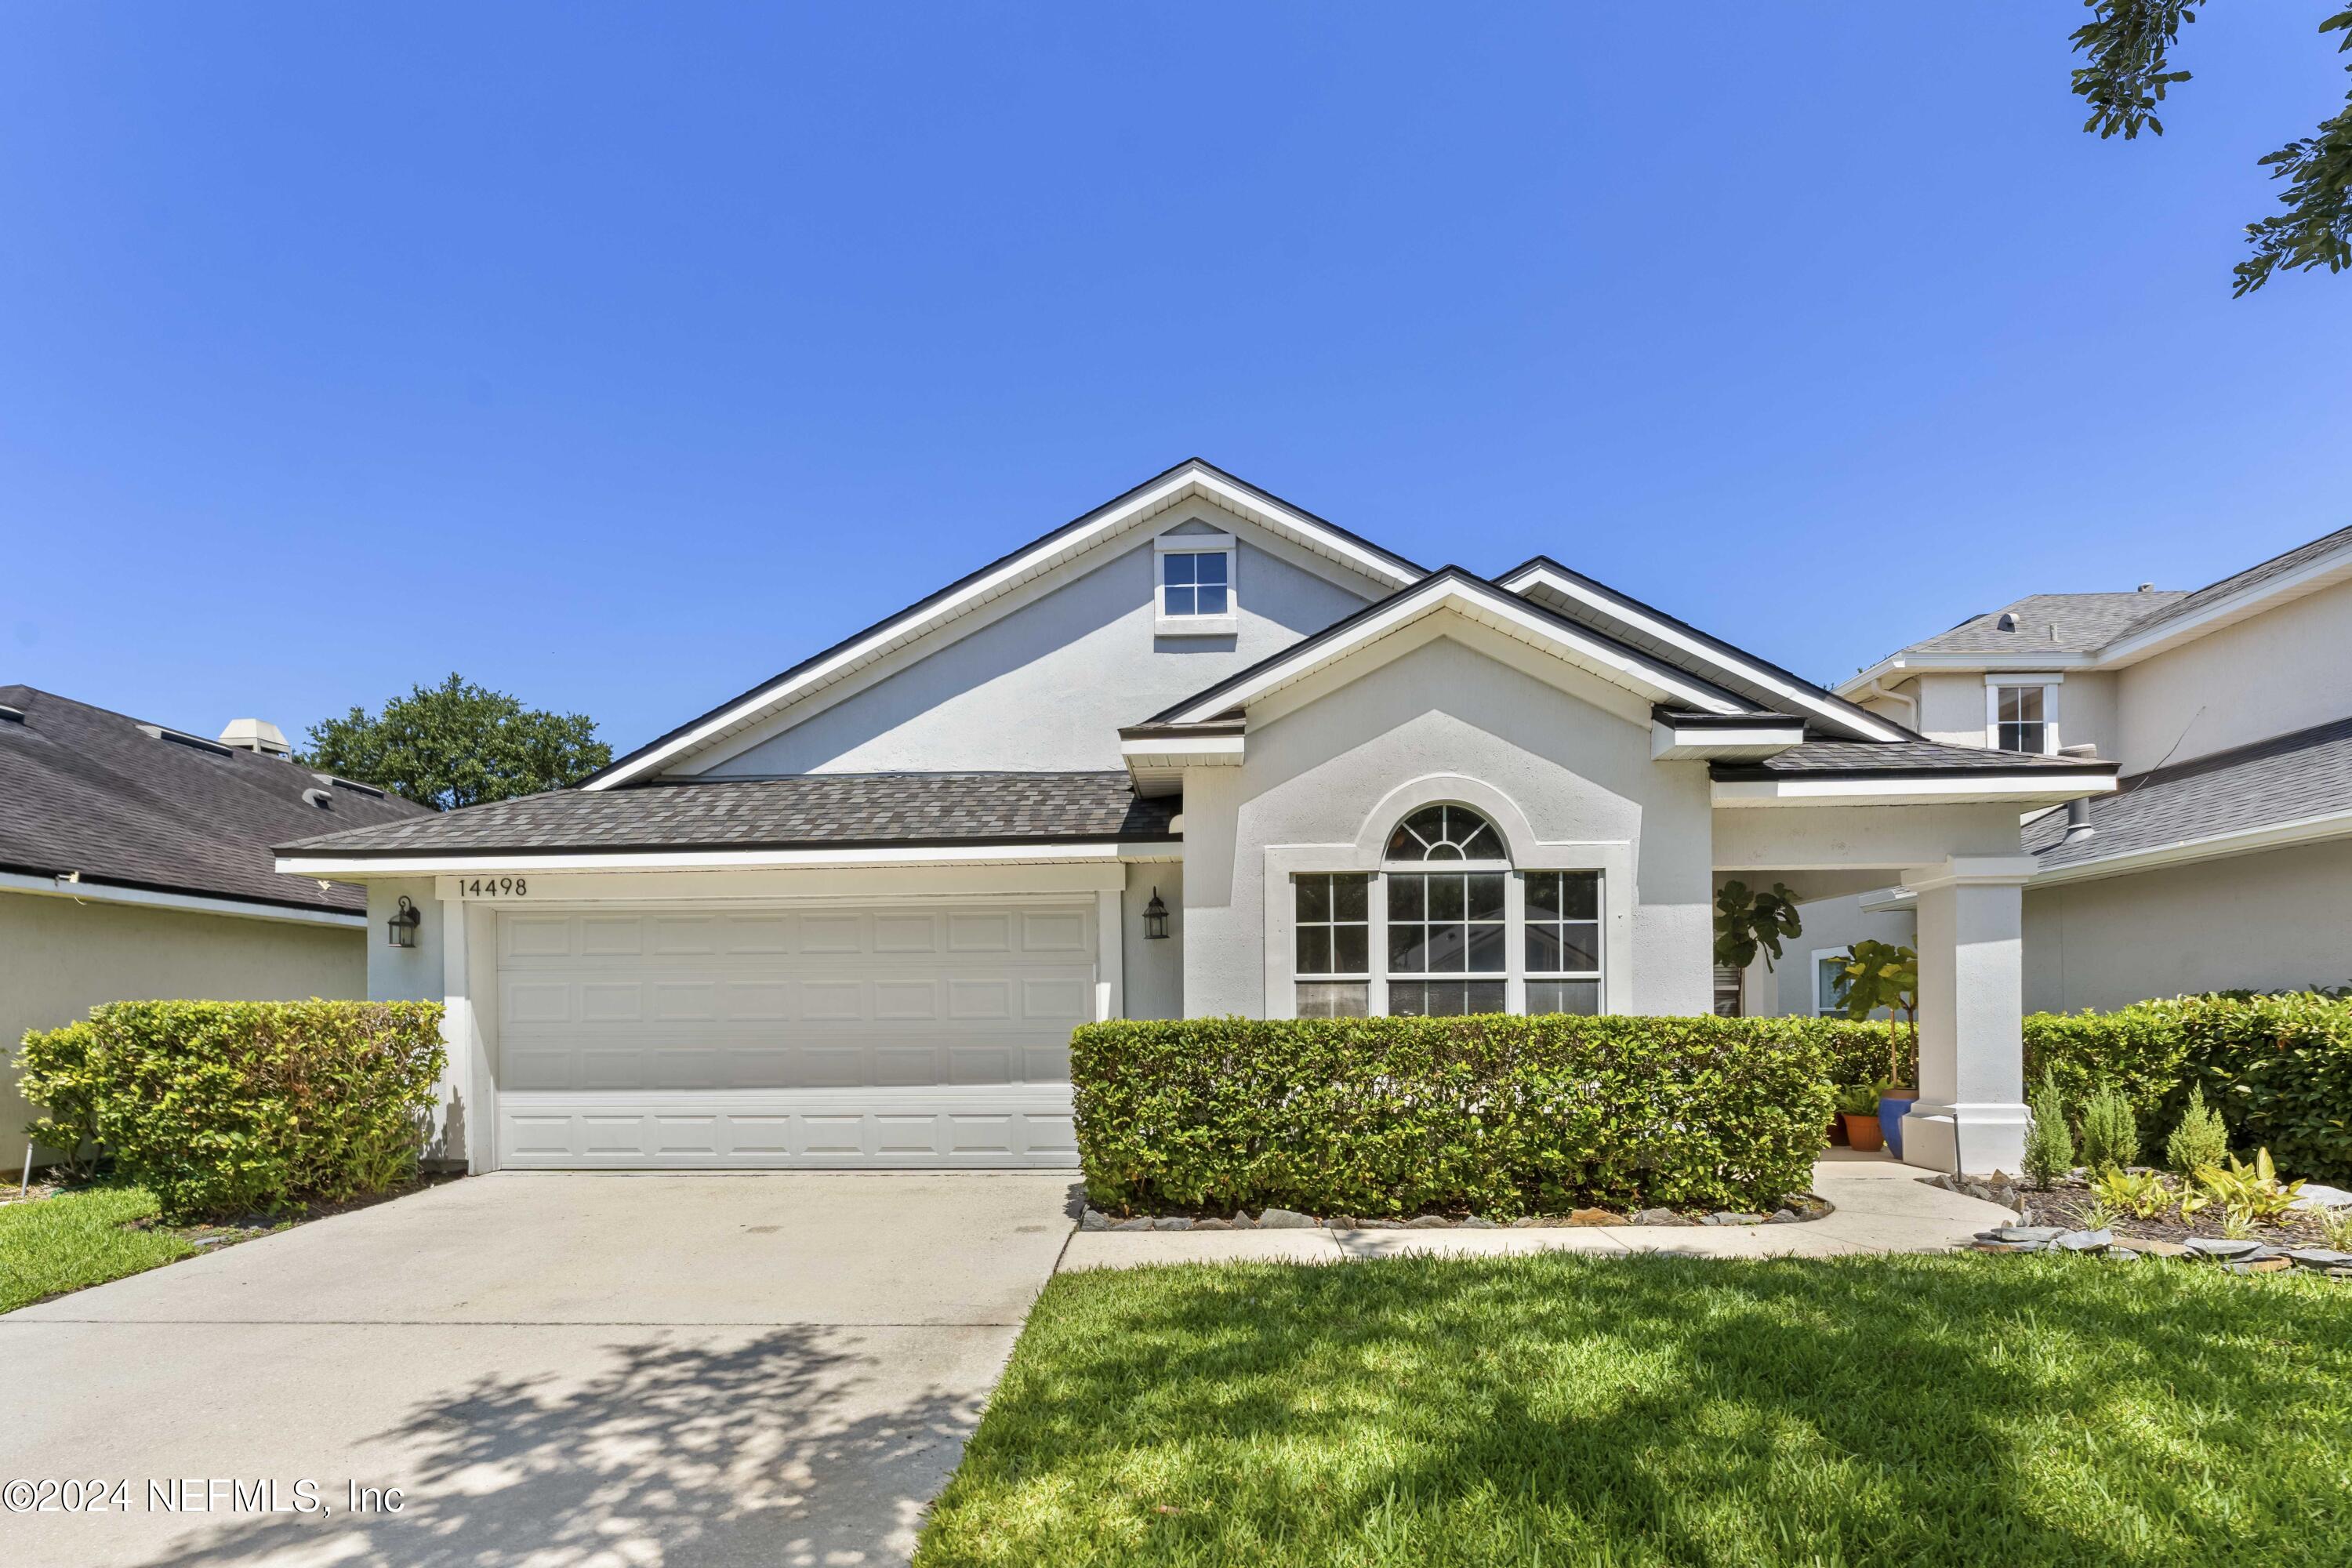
802, 810
85, 790
2051, 622
2287, 778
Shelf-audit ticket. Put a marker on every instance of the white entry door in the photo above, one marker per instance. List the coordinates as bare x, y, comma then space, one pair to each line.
892, 1035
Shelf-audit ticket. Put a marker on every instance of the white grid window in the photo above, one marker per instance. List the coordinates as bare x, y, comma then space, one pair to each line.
2023, 718
1195, 583
1563, 941
1333, 934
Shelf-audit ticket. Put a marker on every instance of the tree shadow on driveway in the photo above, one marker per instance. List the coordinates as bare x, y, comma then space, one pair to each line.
703, 1447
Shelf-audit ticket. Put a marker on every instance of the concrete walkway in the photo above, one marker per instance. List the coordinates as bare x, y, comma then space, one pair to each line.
1881, 1207
554, 1369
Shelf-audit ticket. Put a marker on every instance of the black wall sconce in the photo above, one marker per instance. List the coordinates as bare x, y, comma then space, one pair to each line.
1155, 918
404, 923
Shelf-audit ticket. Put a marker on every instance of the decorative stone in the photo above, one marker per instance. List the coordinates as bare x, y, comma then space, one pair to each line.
1094, 1219
1171, 1221
2320, 1195
1429, 1222
2320, 1257
2007, 1245
1661, 1216
1284, 1219
2122, 1255
1242, 1220
2029, 1232
1529, 1222
1782, 1216
2209, 1247
1213, 1223
2084, 1240
1606, 1216
1724, 1216
1136, 1223
1475, 1222
1377, 1224
2160, 1248
2259, 1266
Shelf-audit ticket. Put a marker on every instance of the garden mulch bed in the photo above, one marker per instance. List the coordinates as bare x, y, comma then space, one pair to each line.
2070, 1204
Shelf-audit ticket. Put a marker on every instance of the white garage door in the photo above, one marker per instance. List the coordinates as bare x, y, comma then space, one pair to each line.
931, 1035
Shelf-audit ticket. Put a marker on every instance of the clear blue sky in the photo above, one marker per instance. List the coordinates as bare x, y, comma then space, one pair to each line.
619, 357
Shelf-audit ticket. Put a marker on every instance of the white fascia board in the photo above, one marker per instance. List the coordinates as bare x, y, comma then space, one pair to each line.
1903, 666
1896, 901
1177, 488
2247, 602
1623, 610
1185, 751
2213, 847
359, 867
1494, 608
1949, 789
1745, 743
185, 903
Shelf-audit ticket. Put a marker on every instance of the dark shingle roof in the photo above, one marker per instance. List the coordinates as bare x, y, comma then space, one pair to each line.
811, 810
2051, 622
2277, 565
2284, 779
1915, 757
82, 789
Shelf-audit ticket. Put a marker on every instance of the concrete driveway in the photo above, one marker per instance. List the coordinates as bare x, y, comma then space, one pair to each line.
553, 1369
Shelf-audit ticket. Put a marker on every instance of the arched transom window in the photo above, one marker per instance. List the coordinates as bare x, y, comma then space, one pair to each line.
1447, 928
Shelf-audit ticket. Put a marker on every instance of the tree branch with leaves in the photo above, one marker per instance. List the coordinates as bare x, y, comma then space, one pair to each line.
1748, 922
458, 744
2128, 48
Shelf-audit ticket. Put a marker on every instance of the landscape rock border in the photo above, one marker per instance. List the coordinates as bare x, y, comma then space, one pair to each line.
2238, 1256
1796, 1208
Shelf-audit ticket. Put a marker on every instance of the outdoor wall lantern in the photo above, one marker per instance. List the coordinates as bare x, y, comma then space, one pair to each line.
1155, 918
404, 923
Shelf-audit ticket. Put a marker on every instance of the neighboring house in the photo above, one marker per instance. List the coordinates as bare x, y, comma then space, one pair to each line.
135, 863
1196, 751
2225, 859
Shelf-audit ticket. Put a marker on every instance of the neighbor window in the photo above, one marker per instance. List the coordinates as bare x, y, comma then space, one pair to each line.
1194, 583
1563, 941
1830, 985
1334, 938
2021, 718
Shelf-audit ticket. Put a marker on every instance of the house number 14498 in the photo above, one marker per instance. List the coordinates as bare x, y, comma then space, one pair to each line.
494, 887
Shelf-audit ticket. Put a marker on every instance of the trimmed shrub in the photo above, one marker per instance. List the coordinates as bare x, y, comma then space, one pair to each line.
227, 1107
2048, 1148
2110, 1132
1499, 1115
2200, 1140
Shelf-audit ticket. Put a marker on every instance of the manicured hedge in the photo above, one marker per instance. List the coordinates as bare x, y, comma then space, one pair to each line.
1499, 1116
227, 1107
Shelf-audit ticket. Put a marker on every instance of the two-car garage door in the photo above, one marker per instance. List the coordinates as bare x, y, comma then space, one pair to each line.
892, 1035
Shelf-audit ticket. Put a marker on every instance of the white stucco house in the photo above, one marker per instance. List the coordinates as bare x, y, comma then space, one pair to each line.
1196, 751
135, 862
2222, 861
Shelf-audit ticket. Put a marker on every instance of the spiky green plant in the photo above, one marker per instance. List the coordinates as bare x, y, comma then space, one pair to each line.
2199, 1140
2049, 1147
2110, 1132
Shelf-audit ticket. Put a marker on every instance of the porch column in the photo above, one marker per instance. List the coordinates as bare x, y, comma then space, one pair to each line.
1970, 1114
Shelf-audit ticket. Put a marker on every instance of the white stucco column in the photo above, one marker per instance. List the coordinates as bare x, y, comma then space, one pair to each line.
1970, 1114
469, 1093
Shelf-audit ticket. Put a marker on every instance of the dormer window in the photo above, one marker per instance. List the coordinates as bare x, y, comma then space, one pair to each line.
1196, 584
2021, 713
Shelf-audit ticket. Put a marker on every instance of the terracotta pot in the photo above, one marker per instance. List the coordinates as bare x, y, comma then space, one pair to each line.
1863, 1133
1837, 1130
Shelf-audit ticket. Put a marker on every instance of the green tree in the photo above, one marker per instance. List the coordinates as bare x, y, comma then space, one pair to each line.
2129, 44
1880, 974
1746, 923
458, 744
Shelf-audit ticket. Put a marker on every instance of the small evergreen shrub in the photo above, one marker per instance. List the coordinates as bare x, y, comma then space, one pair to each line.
2199, 1140
2110, 1138
1499, 1115
229, 1108
2049, 1147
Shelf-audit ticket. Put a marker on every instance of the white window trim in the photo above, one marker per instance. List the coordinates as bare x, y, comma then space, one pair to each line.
1167, 626
1999, 681
1820, 954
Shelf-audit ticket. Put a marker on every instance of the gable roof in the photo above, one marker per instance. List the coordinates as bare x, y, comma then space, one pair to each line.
796, 811
1684, 646
85, 790
1456, 589
2110, 630
1193, 478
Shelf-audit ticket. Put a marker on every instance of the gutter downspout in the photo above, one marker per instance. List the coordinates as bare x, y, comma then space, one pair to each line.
1877, 688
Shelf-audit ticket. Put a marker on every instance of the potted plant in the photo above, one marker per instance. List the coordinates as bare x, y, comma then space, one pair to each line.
1858, 1110
1880, 974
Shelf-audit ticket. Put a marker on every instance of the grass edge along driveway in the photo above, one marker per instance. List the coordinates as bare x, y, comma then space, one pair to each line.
1562, 1409
74, 1239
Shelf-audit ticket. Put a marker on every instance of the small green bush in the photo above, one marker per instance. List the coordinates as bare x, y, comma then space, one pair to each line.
2110, 1132
227, 1107
2200, 1140
2049, 1147
1499, 1115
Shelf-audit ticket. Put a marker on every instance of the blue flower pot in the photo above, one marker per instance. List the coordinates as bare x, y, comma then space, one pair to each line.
1892, 1109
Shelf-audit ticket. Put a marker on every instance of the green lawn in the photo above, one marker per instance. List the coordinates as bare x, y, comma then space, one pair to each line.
77, 1238
1564, 1410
